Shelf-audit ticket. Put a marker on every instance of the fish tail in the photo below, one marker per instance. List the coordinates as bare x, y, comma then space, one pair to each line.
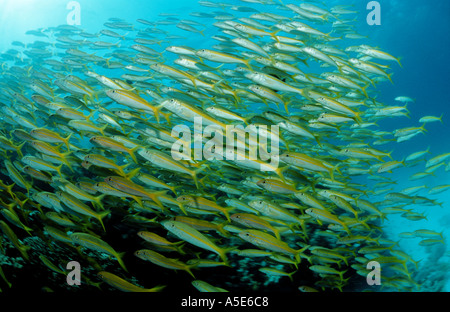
346, 228
66, 162
333, 170
316, 138
180, 248
277, 233
285, 103
364, 90
226, 212
174, 190
273, 34
167, 116
223, 252
223, 256
188, 269
280, 171
155, 198
131, 173
195, 174
66, 141
298, 254
24, 252
138, 200
389, 76
119, 259
102, 129
98, 200
221, 229
341, 274
132, 153
19, 147
290, 275
58, 169
358, 118
297, 258
156, 289
423, 128
398, 61
101, 216
345, 260
156, 111
247, 63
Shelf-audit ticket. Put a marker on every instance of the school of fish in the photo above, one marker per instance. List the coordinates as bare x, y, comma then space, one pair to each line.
86, 138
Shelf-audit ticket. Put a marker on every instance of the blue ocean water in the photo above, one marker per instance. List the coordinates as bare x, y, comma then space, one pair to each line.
417, 31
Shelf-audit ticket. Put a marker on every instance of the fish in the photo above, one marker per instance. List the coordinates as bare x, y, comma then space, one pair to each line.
97, 244
203, 286
159, 259
325, 216
275, 272
123, 285
163, 160
114, 145
128, 186
254, 221
428, 119
194, 237
9, 233
132, 100
80, 207
267, 241
322, 269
